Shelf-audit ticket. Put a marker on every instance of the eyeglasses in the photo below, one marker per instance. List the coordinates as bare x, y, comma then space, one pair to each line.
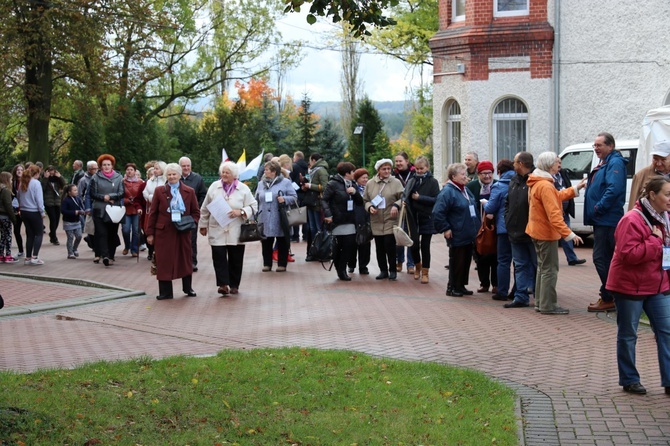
597, 146
486, 174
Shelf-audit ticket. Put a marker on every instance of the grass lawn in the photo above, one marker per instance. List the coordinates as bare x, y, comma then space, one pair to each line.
257, 397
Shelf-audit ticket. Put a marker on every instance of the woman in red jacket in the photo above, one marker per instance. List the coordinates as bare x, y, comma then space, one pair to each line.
172, 202
638, 279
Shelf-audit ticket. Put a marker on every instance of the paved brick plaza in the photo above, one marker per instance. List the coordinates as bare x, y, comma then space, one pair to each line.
563, 367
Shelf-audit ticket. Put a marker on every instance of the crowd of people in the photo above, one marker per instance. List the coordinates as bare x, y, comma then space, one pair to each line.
530, 205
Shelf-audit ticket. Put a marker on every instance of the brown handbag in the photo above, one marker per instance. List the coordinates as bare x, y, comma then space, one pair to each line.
486, 240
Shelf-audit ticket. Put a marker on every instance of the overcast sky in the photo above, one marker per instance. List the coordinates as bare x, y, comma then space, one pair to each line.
384, 78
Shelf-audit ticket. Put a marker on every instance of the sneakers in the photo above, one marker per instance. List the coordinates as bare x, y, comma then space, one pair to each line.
8, 259
36, 261
71, 256
20, 254
557, 310
600, 306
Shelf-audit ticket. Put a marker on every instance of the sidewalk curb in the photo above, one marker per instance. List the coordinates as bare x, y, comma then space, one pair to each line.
115, 294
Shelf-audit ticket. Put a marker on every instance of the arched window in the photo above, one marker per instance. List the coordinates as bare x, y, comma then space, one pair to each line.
454, 132
510, 128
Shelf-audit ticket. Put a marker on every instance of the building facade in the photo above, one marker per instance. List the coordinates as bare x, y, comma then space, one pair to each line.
537, 75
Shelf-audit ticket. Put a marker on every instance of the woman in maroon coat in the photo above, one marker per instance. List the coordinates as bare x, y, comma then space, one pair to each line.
172, 248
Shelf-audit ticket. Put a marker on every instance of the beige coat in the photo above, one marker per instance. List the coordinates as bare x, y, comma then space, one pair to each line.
382, 222
640, 180
241, 198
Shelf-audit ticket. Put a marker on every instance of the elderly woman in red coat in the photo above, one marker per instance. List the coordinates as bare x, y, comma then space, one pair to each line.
171, 203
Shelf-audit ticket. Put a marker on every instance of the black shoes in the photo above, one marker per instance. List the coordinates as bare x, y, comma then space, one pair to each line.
159, 297
515, 304
342, 275
637, 389
195, 268
454, 293
577, 262
363, 271
190, 293
105, 261
393, 275
667, 390
310, 259
383, 275
499, 297
466, 292
351, 270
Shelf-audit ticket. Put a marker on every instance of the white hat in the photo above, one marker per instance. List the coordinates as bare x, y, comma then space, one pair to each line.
383, 161
661, 148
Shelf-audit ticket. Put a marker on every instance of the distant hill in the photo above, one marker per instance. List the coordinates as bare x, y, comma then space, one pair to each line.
391, 112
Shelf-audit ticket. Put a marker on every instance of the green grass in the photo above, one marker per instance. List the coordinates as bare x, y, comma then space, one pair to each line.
258, 397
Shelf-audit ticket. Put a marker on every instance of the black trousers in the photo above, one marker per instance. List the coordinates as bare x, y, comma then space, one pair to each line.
165, 286
385, 248
17, 233
228, 261
194, 246
460, 258
344, 246
53, 212
487, 269
363, 254
282, 248
106, 238
421, 249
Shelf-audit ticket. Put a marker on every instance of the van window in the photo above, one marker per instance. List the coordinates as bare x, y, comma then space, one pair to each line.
576, 164
631, 156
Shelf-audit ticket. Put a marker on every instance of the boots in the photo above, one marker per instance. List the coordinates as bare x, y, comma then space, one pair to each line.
417, 270
424, 275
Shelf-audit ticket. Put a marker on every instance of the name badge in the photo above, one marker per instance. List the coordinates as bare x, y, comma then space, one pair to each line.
350, 205
382, 205
295, 186
377, 200
176, 216
473, 213
268, 197
666, 258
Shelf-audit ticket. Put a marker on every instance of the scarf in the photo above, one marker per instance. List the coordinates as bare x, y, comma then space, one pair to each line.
228, 189
347, 183
176, 204
108, 175
486, 188
660, 218
132, 179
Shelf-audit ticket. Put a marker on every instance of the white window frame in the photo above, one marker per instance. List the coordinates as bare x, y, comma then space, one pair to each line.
495, 118
517, 13
454, 121
454, 17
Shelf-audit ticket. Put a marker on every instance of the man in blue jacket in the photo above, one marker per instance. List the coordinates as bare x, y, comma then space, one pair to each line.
603, 208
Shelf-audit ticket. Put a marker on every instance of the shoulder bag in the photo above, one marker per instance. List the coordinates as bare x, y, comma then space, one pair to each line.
251, 230
402, 238
296, 215
186, 224
486, 240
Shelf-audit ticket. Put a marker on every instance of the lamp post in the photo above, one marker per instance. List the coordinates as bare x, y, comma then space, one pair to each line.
360, 130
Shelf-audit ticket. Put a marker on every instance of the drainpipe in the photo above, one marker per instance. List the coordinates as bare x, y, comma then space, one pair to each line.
557, 72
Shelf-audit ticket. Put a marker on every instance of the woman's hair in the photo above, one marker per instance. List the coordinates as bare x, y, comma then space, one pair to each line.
14, 169
149, 164
403, 154
174, 167
422, 160
28, 174
284, 159
133, 165
66, 191
655, 184
274, 167
162, 166
234, 170
452, 169
6, 180
345, 167
504, 165
545, 160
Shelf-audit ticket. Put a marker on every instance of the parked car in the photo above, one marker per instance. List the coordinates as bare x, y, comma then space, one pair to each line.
579, 159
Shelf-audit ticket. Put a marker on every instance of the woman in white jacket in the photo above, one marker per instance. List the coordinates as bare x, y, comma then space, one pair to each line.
158, 179
227, 250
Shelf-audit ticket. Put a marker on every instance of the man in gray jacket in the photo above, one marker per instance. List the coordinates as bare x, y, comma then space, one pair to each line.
194, 181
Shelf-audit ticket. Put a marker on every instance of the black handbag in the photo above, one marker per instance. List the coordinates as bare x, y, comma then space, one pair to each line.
363, 233
252, 230
323, 246
186, 224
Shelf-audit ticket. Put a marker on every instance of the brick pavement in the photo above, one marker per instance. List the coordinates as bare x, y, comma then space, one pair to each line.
563, 367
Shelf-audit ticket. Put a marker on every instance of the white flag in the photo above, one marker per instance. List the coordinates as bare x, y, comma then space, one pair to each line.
252, 168
224, 156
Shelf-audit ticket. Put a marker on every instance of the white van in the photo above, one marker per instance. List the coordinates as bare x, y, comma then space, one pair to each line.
580, 159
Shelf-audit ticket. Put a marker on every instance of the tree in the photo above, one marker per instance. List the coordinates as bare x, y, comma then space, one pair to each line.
307, 123
349, 80
367, 115
356, 12
330, 144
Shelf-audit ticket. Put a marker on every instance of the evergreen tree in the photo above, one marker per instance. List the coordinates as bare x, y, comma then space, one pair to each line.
330, 144
307, 123
368, 116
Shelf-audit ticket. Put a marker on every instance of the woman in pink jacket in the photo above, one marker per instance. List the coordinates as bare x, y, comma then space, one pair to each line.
638, 279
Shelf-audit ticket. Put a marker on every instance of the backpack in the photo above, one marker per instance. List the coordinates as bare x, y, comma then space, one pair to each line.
323, 246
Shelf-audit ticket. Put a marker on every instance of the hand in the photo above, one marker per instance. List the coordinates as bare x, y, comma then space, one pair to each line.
483, 201
150, 239
57, 174
373, 210
234, 213
203, 231
351, 190
280, 199
394, 212
415, 196
448, 234
139, 211
657, 232
106, 197
581, 184
577, 240
489, 216
328, 220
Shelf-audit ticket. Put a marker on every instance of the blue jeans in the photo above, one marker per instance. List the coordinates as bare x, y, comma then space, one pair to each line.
657, 308
400, 256
504, 263
525, 265
603, 251
131, 232
568, 247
